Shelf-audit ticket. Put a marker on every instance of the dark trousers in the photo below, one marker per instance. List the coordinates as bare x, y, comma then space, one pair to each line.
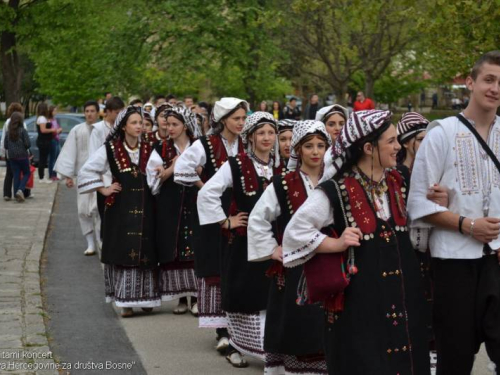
44, 149
7, 182
101, 203
55, 148
19, 166
466, 312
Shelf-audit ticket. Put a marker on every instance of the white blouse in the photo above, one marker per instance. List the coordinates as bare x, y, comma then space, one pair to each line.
90, 177
154, 162
261, 241
209, 197
194, 157
302, 234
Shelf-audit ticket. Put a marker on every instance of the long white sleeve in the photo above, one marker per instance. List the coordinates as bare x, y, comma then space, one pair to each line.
209, 197
67, 159
97, 139
302, 234
185, 166
427, 172
90, 176
261, 241
154, 182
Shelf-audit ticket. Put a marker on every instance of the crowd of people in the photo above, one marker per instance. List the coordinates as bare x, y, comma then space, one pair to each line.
342, 244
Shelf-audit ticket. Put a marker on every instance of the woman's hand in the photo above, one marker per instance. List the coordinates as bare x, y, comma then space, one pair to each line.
237, 221
112, 189
278, 254
350, 237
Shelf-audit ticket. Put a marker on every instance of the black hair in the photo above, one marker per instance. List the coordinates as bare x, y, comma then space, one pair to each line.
355, 152
292, 98
91, 103
135, 101
113, 104
170, 96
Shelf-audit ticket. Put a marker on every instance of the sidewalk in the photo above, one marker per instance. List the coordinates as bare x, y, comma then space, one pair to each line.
24, 346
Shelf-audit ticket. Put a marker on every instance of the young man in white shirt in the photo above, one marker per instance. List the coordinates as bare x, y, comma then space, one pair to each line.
464, 241
97, 138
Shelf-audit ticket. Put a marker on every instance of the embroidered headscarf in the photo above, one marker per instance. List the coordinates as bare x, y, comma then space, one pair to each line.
121, 121
410, 125
189, 118
225, 105
300, 131
284, 125
254, 121
359, 125
325, 112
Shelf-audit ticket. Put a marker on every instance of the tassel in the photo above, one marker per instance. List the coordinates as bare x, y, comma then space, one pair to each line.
278, 271
164, 150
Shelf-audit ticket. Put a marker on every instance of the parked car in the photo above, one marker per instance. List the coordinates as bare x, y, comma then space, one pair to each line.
67, 121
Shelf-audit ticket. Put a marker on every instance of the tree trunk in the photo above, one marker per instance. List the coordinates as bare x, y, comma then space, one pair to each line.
369, 83
11, 68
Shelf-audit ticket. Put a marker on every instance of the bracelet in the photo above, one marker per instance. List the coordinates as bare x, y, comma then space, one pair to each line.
471, 233
228, 223
224, 222
460, 222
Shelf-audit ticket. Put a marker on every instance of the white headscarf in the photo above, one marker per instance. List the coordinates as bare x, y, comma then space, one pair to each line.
225, 105
326, 112
300, 131
252, 122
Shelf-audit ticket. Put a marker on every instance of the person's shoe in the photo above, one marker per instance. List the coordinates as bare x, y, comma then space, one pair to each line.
237, 360
6, 198
20, 196
89, 252
433, 361
194, 309
127, 312
181, 309
48, 181
147, 310
222, 345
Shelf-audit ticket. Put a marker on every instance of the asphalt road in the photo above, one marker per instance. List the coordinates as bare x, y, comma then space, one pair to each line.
83, 328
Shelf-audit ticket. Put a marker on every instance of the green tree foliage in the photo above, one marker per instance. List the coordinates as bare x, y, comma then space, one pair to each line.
454, 34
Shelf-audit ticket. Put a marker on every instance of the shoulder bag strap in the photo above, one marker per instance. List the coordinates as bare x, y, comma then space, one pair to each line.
481, 141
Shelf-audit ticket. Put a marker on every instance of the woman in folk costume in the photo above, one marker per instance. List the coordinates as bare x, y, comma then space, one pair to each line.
176, 214
293, 339
334, 117
285, 129
378, 325
128, 249
244, 284
412, 129
196, 166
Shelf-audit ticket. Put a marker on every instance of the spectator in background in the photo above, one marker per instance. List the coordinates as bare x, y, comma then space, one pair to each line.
147, 122
107, 96
136, 103
263, 106
434, 100
9, 178
159, 100
311, 108
55, 146
171, 99
276, 111
188, 102
148, 107
17, 143
291, 111
44, 140
362, 103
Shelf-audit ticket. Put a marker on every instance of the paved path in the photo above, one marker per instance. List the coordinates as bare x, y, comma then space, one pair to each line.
23, 339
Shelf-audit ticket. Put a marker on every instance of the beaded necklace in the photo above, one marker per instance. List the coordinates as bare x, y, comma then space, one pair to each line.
375, 190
